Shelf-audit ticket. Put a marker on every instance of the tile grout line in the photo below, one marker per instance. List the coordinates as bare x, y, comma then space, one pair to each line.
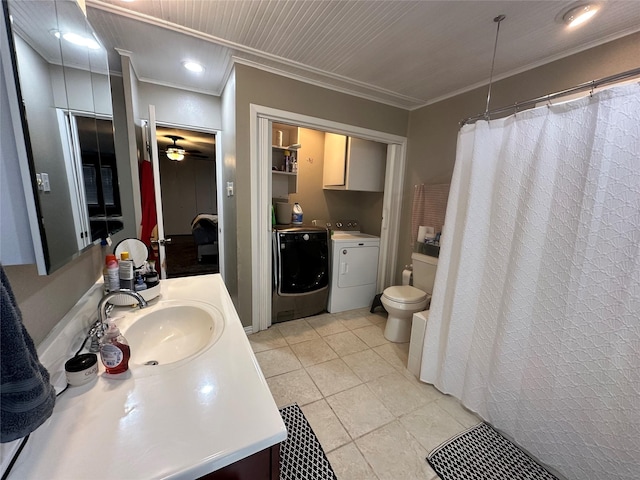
397, 370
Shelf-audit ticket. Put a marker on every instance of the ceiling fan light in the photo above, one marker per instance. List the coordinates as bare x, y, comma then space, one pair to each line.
580, 14
175, 154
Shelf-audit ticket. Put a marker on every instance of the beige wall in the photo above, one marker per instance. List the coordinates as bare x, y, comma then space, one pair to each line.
266, 89
175, 106
228, 207
310, 164
44, 300
433, 129
125, 181
331, 205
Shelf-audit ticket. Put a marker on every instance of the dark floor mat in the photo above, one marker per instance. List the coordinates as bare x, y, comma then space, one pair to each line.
481, 453
301, 455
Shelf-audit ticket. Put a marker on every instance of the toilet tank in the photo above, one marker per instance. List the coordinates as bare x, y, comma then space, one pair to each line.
424, 271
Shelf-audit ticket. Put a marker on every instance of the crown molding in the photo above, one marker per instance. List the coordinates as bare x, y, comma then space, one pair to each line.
531, 66
402, 100
318, 83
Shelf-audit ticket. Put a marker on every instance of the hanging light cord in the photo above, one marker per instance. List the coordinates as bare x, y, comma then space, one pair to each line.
498, 19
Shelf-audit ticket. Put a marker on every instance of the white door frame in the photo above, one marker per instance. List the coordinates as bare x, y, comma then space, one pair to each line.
219, 187
155, 165
71, 152
260, 151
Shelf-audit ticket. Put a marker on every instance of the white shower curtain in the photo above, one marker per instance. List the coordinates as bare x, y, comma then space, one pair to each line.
535, 317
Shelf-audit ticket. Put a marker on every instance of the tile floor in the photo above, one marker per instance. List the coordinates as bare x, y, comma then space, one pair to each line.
374, 419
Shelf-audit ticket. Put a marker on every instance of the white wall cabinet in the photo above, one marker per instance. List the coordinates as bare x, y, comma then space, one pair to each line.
353, 164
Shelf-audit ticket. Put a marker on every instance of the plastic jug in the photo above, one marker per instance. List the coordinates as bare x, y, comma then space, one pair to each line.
296, 215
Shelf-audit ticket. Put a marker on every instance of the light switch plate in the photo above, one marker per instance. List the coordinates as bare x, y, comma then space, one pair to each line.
46, 187
229, 189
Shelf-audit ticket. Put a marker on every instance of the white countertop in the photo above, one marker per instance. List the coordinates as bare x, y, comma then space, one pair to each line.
188, 420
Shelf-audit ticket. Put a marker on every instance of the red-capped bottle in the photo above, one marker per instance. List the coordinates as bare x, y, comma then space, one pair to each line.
112, 279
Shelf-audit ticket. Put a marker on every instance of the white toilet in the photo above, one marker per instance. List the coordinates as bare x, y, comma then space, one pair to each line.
401, 302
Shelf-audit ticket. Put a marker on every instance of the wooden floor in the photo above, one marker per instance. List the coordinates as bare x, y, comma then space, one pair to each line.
182, 258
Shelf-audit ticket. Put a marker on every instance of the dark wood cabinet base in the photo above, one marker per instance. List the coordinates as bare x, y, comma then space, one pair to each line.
264, 465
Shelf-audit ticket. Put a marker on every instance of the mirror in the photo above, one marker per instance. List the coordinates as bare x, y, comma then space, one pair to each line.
64, 83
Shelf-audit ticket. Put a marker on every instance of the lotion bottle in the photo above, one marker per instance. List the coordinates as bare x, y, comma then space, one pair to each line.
126, 271
114, 350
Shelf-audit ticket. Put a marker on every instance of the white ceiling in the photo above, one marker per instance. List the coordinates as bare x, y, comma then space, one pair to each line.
404, 53
37, 21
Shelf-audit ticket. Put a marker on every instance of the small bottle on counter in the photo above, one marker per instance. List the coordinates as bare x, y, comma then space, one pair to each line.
151, 278
114, 350
105, 274
287, 161
112, 280
140, 285
126, 271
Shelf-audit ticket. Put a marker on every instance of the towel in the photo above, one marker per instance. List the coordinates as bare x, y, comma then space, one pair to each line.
429, 207
149, 214
26, 396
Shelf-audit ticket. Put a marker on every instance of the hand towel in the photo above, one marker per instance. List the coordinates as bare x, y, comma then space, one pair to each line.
149, 213
26, 396
429, 207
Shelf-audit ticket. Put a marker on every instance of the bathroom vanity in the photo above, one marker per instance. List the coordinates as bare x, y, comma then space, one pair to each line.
204, 410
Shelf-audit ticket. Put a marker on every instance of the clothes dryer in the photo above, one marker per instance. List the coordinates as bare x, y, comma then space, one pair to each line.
354, 270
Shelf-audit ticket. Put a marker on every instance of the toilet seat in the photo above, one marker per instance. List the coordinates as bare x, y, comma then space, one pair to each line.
404, 294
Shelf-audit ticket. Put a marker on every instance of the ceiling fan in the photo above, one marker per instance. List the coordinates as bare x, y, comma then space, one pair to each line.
177, 153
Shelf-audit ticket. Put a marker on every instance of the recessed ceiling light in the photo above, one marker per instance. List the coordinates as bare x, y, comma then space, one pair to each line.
193, 66
81, 41
580, 14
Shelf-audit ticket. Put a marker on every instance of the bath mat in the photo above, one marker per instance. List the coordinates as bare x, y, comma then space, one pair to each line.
481, 453
301, 455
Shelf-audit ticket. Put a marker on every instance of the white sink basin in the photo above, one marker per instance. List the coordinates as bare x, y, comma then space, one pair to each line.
171, 332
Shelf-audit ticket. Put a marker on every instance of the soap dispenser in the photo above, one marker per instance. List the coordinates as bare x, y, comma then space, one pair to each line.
114, 350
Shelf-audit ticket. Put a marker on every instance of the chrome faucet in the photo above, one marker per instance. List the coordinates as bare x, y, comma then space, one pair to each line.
99, 326
102, 306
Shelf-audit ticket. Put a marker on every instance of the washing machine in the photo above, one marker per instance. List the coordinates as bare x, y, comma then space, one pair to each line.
300, 272
354, 270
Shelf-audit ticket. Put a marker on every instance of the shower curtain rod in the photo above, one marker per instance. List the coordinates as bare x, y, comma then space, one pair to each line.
578, 88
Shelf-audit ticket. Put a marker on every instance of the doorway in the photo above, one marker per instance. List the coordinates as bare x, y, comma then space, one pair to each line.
188, 182
261, 118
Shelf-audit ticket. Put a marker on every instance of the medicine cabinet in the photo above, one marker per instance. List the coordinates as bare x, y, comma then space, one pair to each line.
63, 117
